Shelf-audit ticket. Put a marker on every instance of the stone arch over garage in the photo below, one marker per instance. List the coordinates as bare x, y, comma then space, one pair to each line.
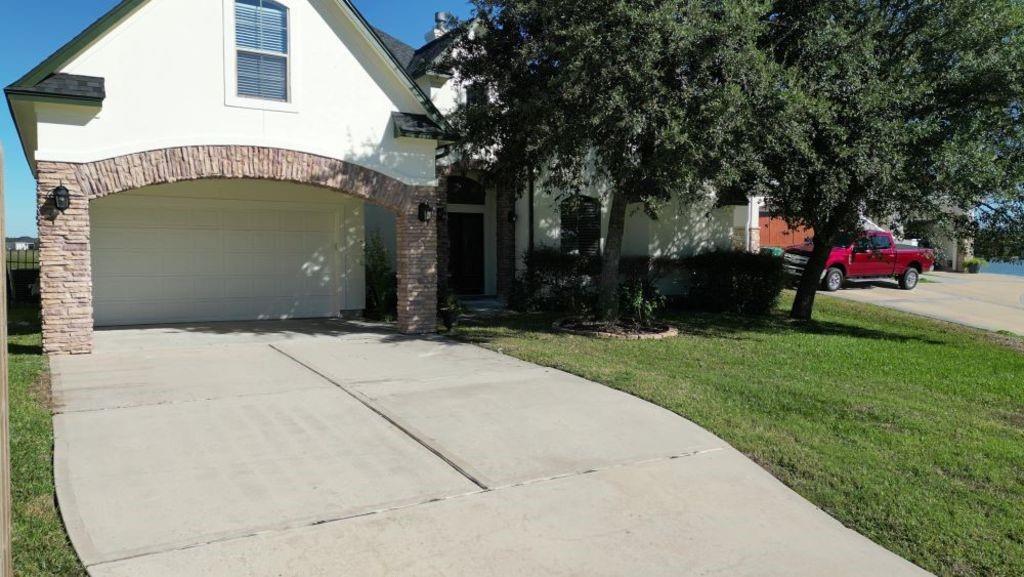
64, 238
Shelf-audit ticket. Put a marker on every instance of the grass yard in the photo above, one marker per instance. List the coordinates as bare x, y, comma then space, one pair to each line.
908, 430
41, 548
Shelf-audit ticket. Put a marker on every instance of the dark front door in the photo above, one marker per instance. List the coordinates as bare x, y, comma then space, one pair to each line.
466, 259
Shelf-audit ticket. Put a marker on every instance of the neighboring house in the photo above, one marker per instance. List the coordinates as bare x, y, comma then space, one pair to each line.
235, 176
22, 243
951, 251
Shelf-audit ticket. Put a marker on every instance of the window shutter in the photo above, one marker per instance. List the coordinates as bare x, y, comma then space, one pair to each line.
261, 33
581, 226
262, 76
589, 232
261, 25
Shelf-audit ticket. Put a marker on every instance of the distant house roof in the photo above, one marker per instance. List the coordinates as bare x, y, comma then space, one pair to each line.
66, 86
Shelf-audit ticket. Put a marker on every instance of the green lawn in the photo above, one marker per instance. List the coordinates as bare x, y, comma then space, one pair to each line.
908, 430
41, 548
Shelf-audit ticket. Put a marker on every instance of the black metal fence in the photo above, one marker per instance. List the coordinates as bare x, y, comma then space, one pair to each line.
22, 275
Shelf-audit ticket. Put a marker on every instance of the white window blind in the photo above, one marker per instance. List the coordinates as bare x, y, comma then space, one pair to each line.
261, 36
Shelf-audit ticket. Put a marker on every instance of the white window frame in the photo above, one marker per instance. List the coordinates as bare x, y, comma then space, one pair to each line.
231, 50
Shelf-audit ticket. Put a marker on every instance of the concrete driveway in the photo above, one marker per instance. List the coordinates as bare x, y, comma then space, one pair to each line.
326, 449
993, 302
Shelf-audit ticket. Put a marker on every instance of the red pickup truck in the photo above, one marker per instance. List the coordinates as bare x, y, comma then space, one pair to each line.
874, 255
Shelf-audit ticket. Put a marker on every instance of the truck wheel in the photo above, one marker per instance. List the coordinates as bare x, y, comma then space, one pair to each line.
833, 280
909, 280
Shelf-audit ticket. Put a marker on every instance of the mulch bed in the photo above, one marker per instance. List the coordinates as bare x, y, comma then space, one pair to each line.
623, 329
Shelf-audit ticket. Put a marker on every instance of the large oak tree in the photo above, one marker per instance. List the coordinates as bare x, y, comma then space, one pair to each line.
899, 109
648, 96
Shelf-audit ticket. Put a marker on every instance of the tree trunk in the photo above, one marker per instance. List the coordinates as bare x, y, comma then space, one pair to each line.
803, 305
608, 296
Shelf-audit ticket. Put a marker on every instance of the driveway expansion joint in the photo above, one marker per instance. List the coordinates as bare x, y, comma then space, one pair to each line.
391, 420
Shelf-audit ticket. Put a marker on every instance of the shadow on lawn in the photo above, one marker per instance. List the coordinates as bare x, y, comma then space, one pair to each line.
14, 349
737, 327
709, 325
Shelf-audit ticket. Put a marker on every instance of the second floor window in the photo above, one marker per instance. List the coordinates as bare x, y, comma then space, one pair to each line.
261, 37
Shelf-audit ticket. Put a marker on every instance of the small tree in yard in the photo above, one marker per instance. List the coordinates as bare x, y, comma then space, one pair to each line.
903, 110
645, 95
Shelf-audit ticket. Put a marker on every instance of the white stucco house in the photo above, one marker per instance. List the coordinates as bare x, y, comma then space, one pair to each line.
236, 176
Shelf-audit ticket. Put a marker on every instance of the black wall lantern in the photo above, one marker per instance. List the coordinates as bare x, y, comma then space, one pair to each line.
61, 198
426, 212
513, 217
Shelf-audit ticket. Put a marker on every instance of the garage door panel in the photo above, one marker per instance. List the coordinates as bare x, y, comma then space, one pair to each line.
166, 260
239, 241
202, 240
265, 220
266, 242
291, 241
202, 219
172, 264
127, 263
211, 265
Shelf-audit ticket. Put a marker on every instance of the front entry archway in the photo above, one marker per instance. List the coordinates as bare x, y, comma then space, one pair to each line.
66, 284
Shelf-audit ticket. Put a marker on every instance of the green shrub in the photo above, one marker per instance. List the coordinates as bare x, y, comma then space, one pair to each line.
555, 281
737, 282
449, 308
520, 298
381, 282
640, 300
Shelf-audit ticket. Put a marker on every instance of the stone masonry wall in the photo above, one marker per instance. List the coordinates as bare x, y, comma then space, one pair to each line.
65, 257
65, 275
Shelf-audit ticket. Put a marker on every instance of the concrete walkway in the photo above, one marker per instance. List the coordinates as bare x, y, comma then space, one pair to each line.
323, 449
991, 302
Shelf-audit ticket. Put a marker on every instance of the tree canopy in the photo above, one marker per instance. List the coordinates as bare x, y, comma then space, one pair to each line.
645, 95
899, 110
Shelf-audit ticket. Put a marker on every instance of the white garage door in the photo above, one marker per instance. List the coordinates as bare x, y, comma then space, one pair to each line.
168, 260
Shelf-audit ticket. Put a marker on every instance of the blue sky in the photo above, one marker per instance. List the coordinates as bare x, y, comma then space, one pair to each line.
31, 31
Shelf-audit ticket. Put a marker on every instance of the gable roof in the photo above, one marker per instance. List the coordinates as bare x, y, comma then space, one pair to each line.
31, 82
402, 52
418, 61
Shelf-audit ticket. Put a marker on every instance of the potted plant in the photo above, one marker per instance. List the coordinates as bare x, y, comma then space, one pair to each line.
450, 309
973, 265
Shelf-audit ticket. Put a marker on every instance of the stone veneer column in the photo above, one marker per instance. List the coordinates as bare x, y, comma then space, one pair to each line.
65, 276
417, 267
443, 241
